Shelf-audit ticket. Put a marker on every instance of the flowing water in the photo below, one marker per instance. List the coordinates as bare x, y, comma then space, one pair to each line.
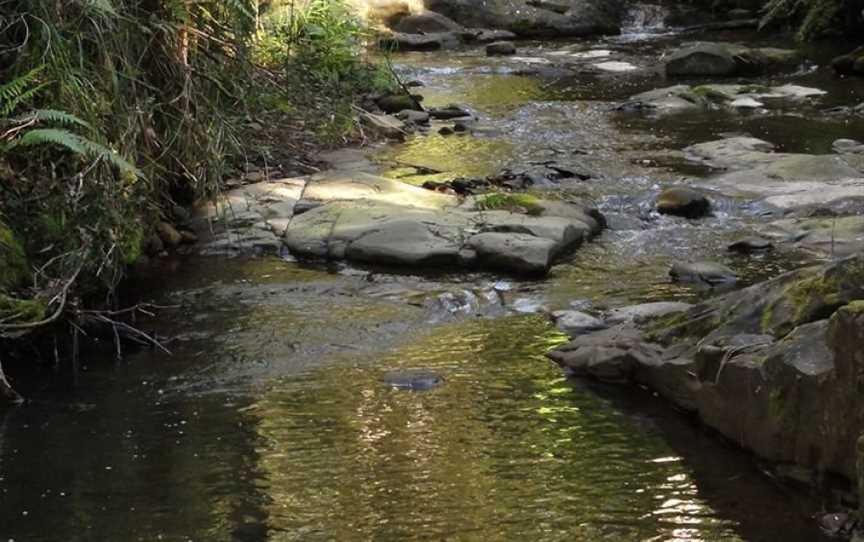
276, 417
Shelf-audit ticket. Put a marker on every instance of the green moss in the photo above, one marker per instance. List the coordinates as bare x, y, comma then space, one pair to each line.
510, 202
754, 89
14, 267
132, 244
709, 93
856, 307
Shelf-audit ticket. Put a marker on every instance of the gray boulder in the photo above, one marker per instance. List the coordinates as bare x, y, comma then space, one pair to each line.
576, 323
427, 22
725, 59
514, 252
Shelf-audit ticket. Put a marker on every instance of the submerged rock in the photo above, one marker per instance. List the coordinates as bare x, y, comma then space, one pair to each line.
686, 98
683, 201
413, 381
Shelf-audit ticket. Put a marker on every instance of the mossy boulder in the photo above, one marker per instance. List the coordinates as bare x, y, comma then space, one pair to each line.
14, 267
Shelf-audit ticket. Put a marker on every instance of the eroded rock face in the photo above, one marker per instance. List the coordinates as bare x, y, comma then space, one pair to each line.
776, 367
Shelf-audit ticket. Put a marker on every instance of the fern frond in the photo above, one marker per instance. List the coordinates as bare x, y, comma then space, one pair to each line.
46, 136
18, 91
51, 115
78, 145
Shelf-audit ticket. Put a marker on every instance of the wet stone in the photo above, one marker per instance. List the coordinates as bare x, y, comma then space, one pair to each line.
410, 381
751, 244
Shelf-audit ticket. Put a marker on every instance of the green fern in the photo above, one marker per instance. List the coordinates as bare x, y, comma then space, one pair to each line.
18, 91
78, 145
51, 115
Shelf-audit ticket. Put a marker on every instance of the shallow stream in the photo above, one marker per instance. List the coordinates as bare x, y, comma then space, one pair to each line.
276, 416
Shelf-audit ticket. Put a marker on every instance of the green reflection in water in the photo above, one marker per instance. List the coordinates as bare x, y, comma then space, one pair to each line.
457, 156
487, 93
505, 449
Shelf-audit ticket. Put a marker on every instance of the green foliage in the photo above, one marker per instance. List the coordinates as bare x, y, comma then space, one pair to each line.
318, 44
13, 262
814, 17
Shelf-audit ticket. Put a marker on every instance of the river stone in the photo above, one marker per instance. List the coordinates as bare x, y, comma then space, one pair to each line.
710, 273
500, 48
609, 355
645, 311
427, 22
413, 381
394, 103
750, 244
414, 117
488, 36
725, 59
449, 112
683, 201
702, 59
575, 323
397, 41
384, 125
404, 242
518, 253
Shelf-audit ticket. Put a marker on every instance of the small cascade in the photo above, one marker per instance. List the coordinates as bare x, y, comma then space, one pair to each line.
644, 21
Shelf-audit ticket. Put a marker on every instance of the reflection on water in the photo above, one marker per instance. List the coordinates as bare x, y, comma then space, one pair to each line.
457, 156
505, 449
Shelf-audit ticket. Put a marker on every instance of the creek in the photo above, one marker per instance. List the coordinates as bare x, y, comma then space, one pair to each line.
275, 417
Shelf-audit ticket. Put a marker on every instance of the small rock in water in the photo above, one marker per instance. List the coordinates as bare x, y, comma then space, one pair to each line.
615, 66
445, 131
413, 381
751, 244
499, 48
683, 201
645, 311
575, 323
710, 273
452, 111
